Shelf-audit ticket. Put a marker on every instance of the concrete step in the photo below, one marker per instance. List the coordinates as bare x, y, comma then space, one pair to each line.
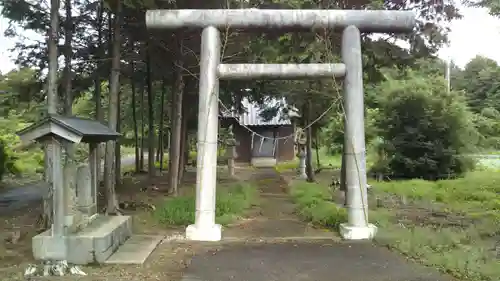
135, 250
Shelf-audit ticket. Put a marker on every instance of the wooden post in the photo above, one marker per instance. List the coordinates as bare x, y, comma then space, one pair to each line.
54, 148
94, 172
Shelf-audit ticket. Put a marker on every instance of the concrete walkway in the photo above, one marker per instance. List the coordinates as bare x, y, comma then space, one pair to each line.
311, 261
312, 255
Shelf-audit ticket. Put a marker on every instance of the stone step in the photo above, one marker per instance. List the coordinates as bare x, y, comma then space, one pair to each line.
263, 162
135, 250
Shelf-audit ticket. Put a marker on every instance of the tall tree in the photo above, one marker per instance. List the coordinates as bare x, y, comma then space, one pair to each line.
161, 130
175, 140
134, 119
99, 114
109, 165
492, 5
52, 97
151, 128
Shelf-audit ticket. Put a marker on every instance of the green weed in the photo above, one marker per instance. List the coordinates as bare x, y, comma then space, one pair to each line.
313, 205
231, 203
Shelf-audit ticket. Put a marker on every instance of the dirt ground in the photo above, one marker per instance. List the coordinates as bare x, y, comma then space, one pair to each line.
272, 219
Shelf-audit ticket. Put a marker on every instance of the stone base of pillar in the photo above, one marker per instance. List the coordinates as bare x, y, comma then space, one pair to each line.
204, 233
349, 232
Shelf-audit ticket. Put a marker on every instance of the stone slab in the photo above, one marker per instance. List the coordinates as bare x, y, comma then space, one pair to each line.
135, 250
94, 243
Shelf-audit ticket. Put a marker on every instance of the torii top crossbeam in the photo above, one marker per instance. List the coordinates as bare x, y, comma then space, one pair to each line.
364, 20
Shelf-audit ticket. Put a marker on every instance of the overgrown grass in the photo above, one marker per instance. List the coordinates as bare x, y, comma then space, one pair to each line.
314, 205
232, 201
453, 225
478, 191
464, 241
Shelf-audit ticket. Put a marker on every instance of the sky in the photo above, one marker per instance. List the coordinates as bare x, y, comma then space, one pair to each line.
477, 33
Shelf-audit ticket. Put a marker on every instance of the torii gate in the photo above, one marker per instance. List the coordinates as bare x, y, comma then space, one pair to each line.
211, 70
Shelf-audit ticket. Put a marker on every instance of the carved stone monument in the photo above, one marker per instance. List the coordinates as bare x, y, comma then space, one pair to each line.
78, 235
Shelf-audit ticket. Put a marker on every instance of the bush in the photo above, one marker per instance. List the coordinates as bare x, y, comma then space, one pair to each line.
489, 128
165, 162
3, 159
314, 205
7, 161
333, 132
426, 130
231, 202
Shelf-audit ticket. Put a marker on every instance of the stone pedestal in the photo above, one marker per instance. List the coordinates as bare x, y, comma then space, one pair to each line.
302, 164
204, 233
349, 232
231, 155
88, 237
94, 243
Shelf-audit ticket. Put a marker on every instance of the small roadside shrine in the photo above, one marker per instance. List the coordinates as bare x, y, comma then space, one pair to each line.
79, 235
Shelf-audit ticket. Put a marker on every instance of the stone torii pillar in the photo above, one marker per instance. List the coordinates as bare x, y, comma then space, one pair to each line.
351, 22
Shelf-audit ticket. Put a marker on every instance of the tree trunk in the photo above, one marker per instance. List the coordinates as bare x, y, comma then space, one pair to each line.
142, 107
318, 162
53, 56
68, 91
134, 121
158, 145
176, 121
309, 168
68, 164
189, 89
110, 47
161, 130
68, 54
118, 154
46, 217
112, 202
183, 144
151, 128
99, 114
